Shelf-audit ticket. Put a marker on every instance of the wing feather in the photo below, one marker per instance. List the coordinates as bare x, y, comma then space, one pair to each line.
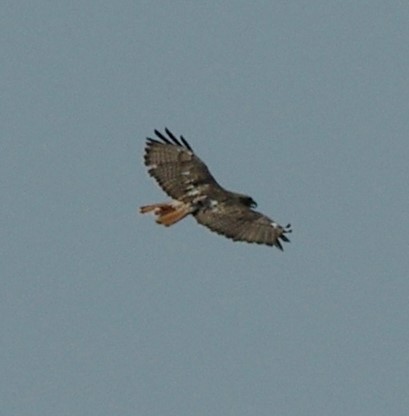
242, 224
185, 143
174, 165
173, 137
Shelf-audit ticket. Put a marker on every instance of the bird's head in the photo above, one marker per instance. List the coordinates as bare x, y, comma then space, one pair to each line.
248, 201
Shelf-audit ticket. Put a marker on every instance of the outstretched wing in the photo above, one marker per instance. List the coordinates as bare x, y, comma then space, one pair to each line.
175, 167
240, 223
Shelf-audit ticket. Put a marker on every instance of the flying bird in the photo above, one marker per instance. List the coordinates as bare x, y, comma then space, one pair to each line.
194, 191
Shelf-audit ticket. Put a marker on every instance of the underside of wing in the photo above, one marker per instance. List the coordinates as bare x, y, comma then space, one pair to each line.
172, 162
240, 223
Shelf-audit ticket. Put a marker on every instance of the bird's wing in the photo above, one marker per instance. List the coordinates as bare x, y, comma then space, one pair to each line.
178, 171
241, 223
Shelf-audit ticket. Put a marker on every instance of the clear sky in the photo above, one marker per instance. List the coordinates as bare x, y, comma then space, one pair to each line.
302, 105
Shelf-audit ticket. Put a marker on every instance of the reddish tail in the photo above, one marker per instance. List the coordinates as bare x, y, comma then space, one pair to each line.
168, 214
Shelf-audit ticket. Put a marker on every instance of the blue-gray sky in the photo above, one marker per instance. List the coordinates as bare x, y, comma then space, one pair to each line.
302, 105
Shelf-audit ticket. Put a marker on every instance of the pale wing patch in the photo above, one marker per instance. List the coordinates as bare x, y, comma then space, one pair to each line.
213, 203
193, 192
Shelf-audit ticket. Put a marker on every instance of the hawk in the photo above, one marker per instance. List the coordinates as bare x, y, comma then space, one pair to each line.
193, 189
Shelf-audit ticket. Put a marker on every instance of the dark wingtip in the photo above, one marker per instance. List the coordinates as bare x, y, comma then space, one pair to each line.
285, 238
173, 137
149, 140
162, 137
187, 145
278, 245
285, 230
182, 142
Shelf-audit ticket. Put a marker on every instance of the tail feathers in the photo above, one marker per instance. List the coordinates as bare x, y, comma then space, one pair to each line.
168, 214
174, 216
157, 208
